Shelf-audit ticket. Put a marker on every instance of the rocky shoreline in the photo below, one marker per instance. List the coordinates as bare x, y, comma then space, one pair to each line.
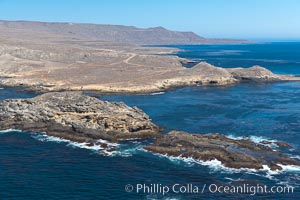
77, 65
231, 153
202, 74
81, 118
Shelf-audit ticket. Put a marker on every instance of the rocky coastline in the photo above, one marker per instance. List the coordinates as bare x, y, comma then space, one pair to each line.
52, 61
202, 74
74, 64
231, 153
81, 118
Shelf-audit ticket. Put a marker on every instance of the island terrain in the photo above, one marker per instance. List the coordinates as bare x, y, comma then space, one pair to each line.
62, 59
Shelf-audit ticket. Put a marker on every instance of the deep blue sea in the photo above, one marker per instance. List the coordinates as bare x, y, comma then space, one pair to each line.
34, 166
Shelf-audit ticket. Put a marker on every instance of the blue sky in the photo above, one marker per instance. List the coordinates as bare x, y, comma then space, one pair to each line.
249, 19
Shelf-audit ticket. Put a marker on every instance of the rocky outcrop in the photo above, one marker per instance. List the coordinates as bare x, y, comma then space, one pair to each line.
205, 74
77, 117
255, 74
259, 74
211, 74
232, 153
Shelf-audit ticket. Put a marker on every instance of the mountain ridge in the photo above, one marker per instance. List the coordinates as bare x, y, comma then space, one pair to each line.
111, 33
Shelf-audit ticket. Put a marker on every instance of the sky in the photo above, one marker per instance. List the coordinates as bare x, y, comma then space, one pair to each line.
244, 19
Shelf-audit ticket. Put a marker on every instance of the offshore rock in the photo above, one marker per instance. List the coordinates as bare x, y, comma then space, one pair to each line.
76, 117
232, 153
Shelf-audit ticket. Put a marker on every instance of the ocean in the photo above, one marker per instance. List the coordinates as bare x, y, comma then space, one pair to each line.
34, 166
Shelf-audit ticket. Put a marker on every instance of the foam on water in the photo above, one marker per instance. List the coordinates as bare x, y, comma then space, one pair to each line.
255, 139
232, 179
295, 156
129, 149
10, 130
95, 147
113, 149
217, 166
154, 197
132, 146
157, 93
108, 143
214, 164
290, 168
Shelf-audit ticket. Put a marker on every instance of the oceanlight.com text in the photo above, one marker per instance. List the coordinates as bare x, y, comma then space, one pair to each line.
247, 189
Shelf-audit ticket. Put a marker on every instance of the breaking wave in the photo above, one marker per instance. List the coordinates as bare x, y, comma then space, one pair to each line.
256, 139
126, 148
217, 166
157, 93
109, 149
132, 147
10, 130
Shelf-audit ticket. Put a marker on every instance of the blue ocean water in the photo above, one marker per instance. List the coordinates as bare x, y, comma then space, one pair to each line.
33, 166
278, 57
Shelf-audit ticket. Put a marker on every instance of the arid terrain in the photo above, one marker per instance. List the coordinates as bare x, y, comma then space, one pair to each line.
106, 58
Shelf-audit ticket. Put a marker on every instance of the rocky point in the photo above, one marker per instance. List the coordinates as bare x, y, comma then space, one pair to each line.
231, 153
77, 117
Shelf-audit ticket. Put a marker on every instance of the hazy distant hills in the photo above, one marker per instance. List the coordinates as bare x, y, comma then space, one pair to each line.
111, 33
